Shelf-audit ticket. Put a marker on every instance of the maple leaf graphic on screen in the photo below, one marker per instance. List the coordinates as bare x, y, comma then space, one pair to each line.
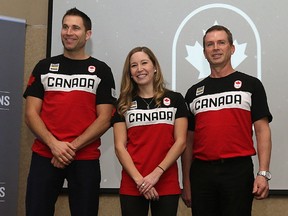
198, 60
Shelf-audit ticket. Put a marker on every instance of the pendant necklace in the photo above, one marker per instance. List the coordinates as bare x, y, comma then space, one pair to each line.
148, 104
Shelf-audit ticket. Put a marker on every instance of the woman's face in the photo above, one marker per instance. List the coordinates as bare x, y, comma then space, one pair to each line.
142, 69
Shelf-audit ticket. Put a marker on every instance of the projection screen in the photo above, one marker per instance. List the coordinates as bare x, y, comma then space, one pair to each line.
174, 31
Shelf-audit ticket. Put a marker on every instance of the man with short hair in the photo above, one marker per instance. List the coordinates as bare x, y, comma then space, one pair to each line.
218, 176
69, 104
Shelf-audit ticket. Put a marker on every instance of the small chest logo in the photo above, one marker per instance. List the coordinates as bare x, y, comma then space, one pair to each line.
200, 90
54, 67
133, 105
91, 69
166, 101
237, 84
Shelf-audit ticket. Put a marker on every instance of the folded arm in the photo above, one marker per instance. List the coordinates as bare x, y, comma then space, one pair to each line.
97, 128
64, 152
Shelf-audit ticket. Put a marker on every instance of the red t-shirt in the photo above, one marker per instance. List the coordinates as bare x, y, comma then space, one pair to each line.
70, 90
150, 135
222, 113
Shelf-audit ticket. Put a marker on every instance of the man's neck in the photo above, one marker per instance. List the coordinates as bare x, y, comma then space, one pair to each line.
76, 55
218, 72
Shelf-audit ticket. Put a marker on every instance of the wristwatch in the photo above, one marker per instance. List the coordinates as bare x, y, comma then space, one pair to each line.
265, 174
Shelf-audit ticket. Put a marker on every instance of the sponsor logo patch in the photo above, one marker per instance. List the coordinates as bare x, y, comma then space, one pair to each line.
54, 67
200, 90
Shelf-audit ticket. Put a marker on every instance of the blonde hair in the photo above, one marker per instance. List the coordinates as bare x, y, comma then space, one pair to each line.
129, 88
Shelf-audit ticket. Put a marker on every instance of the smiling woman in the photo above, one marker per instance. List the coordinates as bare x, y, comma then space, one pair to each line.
148, 156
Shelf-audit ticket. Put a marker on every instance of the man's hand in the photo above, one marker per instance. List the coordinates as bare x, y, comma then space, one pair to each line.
57, 163
186, 194
63, 152
260, 188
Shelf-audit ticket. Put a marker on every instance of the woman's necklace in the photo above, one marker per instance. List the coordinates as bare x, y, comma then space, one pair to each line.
148, 104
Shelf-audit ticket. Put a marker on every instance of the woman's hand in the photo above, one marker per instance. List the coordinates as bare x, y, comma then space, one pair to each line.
150, 180
152, 194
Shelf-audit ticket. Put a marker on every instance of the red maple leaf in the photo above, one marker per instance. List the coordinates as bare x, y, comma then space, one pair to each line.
31, 80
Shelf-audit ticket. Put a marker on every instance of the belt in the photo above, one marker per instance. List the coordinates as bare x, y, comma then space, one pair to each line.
223, 160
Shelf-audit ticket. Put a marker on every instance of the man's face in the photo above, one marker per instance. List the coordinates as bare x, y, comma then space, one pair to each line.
217, 49
74, 34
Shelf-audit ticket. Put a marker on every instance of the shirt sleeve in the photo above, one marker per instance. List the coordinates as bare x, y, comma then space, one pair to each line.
106, 93
182, 110
260, 108
34, 86
191, 117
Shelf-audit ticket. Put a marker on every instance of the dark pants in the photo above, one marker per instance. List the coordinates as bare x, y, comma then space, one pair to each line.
139, 206
45, 183
222, 188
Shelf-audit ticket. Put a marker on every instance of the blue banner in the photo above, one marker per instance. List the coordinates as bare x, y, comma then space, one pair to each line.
12, 40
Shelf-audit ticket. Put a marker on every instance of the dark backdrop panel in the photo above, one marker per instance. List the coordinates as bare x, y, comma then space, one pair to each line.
12, 40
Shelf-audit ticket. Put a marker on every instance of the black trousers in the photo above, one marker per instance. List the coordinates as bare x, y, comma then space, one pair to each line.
222, 187
45, 183
139, 206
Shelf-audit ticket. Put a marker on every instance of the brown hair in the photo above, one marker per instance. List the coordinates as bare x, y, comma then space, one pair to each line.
75, 12
129, 88
219, 28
